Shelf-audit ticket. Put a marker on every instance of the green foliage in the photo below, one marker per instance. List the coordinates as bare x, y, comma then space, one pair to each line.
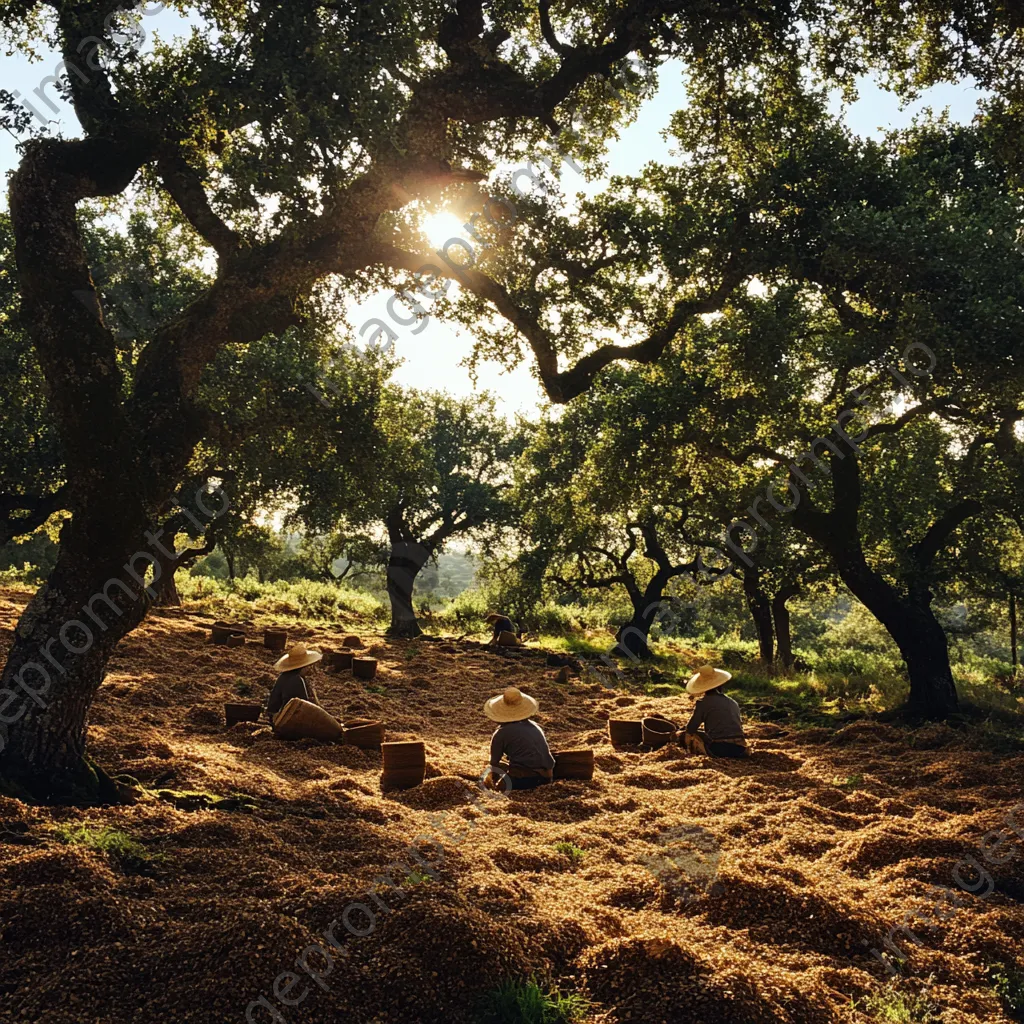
891, 1005
306, 599
575, 853
526, 1002
1008, 981
130, 855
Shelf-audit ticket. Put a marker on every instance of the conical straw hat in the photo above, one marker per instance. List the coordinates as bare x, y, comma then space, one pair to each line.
707, 677
298, 657
510, 706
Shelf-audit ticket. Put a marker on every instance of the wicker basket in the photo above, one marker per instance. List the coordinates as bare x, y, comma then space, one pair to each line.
364, 733
235, 640
224, 631
234, 713
625, 733
339, 659
300, 719
657, 732
397, 756
275, 638
574, 764
364, 668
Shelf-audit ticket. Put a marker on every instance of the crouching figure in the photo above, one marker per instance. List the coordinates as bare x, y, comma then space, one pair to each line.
722, 733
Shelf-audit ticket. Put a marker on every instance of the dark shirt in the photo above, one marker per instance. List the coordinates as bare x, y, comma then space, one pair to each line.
720, 716
524, 744
288, 686
503, 624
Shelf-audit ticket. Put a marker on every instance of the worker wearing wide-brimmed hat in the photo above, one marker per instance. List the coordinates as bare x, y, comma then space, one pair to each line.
294, 667
722, 735
519, 740
504, 630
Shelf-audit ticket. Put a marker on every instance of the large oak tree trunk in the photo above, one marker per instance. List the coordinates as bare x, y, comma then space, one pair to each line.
632, 640
61, 648
404, 564
783, 630
908, 616
165, 588
761, 612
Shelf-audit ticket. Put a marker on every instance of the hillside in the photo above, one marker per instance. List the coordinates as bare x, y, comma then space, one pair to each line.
694, 890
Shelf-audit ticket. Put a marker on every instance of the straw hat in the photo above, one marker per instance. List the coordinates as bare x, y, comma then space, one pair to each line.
511, 706
707, 677
298, 657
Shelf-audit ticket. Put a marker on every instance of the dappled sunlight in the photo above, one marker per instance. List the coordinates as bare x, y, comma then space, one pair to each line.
813, 850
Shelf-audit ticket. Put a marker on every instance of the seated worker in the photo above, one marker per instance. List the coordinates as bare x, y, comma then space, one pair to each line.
294, 667
523, 742
719, 714
501, 624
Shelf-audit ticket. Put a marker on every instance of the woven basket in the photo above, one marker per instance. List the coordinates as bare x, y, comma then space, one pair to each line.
403, 755
300, 719
574, 764
364, 668
224, 631
275, 638
625, 733
353, 642
401, 778
235, 640
234, 713
339, 659
366, 734
507, 639
657, 731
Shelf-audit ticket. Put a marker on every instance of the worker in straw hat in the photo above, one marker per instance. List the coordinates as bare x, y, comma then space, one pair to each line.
295, 668
722, 735
502, 624
518, 739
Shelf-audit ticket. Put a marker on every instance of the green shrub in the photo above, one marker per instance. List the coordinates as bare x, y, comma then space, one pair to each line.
572, 851
525, 1002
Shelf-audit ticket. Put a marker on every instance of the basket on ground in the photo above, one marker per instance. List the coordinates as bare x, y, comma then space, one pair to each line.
234, 713
624, 732
364, 732
574, 764
275, 638
657, 731
406, 754
364, 668
299, 719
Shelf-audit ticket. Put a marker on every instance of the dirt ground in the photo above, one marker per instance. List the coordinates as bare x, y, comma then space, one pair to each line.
754, 891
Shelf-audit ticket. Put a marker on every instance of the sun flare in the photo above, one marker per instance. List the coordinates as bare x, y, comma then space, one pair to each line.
439, 227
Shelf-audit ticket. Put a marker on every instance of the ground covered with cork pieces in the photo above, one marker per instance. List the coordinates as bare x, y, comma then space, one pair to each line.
668, 889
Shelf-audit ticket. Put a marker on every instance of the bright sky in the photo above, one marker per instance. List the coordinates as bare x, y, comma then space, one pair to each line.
432, 357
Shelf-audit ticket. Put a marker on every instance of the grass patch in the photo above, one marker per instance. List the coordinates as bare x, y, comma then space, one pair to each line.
1008, 981
893, 1006
525, 1002
850, 783
572, 851
129, 854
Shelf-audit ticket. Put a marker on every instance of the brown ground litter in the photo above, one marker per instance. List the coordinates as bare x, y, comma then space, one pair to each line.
812, 871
